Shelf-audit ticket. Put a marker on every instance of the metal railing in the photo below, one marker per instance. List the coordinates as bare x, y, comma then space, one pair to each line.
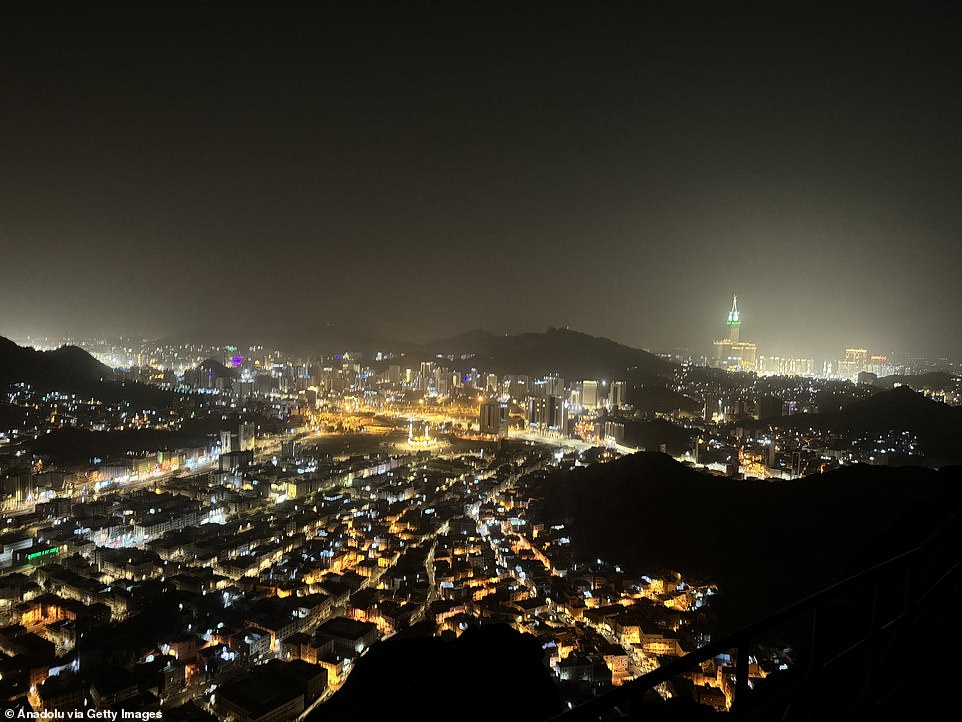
904, 600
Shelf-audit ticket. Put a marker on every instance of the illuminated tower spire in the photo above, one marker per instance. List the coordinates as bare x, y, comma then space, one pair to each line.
733, 322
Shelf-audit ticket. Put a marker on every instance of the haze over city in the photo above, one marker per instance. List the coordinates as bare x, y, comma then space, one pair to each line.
542, 361
414, 172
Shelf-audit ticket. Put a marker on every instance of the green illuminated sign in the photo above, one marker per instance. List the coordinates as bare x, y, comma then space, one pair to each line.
43, 553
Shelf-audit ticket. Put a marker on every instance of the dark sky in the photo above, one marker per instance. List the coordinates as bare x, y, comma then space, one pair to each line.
417, 170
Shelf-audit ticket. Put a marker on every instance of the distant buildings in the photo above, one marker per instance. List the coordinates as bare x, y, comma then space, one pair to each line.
733, 354
589, 394
240, 440
785, 366
856, 361
493, 418
852, 363
616, 394
548, 414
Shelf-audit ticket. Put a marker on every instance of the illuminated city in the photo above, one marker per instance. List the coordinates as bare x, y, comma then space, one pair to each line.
474, 363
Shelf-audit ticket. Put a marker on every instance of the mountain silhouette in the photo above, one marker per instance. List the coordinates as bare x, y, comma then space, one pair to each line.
658, 397
71, 369
570, 354
935, 380
766, 543
61, 368
489, 672
937, 426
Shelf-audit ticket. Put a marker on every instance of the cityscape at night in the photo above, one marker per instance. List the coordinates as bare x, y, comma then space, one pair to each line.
483, 361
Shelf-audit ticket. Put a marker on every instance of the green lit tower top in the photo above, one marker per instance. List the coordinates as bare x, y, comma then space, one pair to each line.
733, 322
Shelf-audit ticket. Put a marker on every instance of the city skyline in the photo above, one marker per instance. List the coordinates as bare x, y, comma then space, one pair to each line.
622, 173
761, 358
542, 360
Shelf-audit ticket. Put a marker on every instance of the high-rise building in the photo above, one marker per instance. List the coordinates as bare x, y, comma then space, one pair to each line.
548, 413
589, 394
394, 374
555, 413
554, 386
734, 322
240, 440
616, 394
713, 407
614, 432
784, 366
517, 386
768, 407
536, 410
489, 418
245, 436
264, 383
853, 363
426, 376
732, 353
880, 366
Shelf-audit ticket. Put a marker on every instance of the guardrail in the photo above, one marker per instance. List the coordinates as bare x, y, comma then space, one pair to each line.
903, 601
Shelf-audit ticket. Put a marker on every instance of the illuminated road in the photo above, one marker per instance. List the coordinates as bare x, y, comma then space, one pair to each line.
265, 450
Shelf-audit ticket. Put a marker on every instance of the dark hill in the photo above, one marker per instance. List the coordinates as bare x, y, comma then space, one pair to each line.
570, 354
649, 435
767, 544
73, 370
936, 381
938, 426
657, 397
899, 404
10, 416
80, 445
489, 672
216, 367
63, 367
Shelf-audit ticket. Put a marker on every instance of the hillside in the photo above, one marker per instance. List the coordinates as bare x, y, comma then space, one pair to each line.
658, 397
935, 381
937, 425
397, 678
570, 354
59, 369
80, 445
766, 543
649, 435
71, 369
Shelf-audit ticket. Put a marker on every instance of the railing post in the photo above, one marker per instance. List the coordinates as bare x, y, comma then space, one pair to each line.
741, 679
815, 673
873, 642
903, 627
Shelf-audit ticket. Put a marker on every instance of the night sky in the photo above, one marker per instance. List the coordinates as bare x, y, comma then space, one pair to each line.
418, 170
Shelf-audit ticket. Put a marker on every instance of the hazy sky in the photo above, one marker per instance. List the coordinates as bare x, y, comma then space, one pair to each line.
417, 170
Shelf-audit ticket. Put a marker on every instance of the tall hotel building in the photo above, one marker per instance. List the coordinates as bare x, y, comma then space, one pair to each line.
732, 353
